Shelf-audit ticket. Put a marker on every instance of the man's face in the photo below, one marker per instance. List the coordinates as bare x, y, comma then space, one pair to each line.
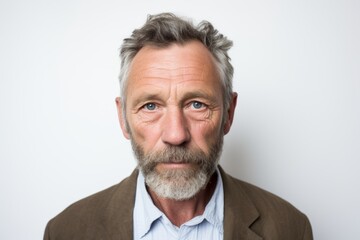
174, 112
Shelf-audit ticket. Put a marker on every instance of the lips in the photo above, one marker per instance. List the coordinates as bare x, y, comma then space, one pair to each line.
174, 165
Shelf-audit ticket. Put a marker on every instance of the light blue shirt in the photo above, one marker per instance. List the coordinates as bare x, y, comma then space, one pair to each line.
151, 224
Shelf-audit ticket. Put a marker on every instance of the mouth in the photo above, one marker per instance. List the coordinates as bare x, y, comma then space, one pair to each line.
173, 165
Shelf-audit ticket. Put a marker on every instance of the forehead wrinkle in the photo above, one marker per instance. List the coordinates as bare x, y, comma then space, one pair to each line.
188, 73
181, 74
174, 71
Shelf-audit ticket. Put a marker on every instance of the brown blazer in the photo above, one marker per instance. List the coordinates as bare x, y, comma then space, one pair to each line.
250, 213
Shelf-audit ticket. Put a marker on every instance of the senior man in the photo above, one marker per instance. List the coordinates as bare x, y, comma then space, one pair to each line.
176, 105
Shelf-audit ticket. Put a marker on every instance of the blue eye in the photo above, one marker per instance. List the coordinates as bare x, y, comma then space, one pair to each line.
150, 106
197, 105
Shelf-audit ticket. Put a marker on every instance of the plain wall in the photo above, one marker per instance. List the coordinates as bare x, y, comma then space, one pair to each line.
296, 131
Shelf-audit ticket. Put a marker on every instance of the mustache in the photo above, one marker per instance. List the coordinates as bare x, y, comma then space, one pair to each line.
176, 154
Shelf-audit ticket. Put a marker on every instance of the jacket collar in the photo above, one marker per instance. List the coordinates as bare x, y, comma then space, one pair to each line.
117, 216
239, 211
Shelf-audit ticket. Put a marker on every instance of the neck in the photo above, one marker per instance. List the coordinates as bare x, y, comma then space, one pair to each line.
190, 208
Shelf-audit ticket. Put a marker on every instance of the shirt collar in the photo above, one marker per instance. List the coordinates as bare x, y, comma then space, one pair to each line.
149, 212
214, 210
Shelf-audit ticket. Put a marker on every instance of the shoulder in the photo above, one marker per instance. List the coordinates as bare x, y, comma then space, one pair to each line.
272, 215
261, 198
87, 216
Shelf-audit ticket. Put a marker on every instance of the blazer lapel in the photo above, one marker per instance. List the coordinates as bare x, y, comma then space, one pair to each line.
118, 215
239, 211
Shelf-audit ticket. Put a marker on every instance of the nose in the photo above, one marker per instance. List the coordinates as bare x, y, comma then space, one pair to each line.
175, 130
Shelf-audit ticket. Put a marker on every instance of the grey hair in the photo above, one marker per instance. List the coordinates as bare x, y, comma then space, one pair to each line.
163, 29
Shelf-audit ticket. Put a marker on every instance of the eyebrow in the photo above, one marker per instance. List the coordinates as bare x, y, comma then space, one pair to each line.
146, 97
199, 94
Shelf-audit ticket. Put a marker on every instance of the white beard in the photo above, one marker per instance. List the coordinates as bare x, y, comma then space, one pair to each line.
177, 184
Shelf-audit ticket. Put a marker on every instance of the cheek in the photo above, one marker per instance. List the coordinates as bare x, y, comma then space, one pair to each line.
144, 134
205, 133
209, 126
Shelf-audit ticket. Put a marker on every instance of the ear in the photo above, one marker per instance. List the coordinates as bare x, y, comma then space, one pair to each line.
121, 117
230, 113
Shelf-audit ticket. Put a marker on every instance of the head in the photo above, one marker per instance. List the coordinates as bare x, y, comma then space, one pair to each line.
176, 102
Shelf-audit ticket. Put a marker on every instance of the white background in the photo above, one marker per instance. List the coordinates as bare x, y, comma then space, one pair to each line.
296, 131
